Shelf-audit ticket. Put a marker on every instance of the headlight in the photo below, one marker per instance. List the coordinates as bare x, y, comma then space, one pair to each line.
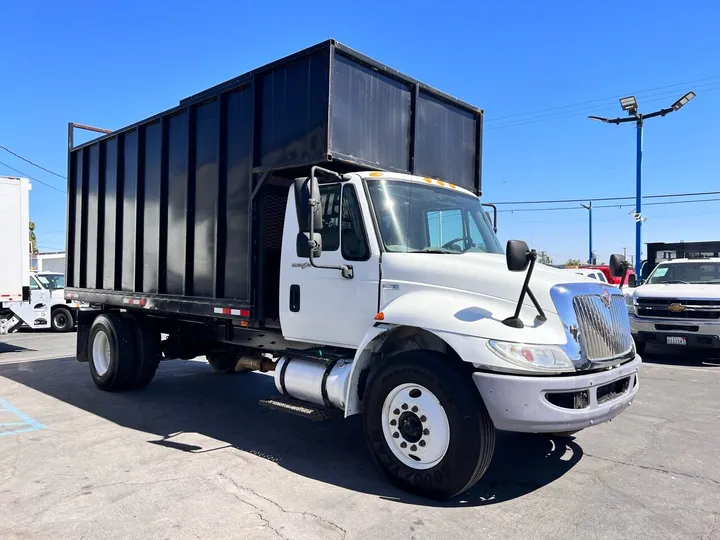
630, 303
541, 357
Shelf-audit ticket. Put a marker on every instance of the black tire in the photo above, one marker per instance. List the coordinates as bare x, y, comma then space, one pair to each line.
62, 320
120, 353
222, 362
147, 341
640, 347
471, 431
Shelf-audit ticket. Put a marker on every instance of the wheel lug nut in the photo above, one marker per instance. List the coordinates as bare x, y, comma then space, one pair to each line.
422, 443
423, 418
393, 422
413, 448
396, 435
396, 411
403, 445
414, 409
426, 431
404, 407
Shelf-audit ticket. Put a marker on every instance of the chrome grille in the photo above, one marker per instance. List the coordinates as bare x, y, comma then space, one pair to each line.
604, 326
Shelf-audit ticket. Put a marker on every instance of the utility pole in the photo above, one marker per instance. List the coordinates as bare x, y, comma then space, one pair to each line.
590, 249
625, 252
630, 105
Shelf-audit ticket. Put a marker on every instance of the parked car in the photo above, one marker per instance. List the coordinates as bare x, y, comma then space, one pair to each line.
679, 304
589, 273
630, 279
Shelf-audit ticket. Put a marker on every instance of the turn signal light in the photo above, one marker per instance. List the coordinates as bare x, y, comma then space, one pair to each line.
380, 316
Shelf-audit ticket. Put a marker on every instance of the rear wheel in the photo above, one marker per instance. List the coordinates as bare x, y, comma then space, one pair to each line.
147, 339
62, 320
427, 426
111, 347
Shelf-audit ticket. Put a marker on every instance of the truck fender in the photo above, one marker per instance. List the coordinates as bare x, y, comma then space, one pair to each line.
459, 346
370, 344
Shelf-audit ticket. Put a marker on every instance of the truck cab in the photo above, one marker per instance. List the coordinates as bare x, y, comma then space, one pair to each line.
46, 307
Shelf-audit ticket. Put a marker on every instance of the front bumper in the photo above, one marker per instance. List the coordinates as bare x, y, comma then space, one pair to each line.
520, 403
699, 333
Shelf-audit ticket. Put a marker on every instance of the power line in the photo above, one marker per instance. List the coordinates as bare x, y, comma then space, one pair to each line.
579, 112
32, 162
619, 206
697, 194
639, 92
31, 178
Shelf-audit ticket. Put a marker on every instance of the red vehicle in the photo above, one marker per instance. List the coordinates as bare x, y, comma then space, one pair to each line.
605, 269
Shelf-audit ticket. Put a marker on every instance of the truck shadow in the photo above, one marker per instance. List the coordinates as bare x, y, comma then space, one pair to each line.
188, 398
677, 356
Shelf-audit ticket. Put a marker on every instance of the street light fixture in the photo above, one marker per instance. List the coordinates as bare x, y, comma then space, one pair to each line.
630, 105
682, 101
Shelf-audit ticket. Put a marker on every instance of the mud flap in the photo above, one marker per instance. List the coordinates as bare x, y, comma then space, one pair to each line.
85, 318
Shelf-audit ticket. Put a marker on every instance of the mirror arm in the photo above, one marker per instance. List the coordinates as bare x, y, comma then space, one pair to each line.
345, 269
541, 314
515, 321
626, 266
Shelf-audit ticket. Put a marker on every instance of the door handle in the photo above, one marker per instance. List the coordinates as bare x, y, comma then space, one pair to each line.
294, 298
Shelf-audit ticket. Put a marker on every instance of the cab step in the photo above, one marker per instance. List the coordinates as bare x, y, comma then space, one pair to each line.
313, 412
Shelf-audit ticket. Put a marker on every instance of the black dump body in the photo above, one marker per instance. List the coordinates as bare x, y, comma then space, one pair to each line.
183, 211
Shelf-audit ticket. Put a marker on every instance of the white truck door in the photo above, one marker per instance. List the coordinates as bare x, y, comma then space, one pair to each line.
40, 301
319, 305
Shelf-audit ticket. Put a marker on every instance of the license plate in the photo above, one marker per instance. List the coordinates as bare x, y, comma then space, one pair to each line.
676, 340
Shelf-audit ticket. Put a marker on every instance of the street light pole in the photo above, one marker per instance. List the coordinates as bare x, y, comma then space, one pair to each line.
638, 196
590, 249
630, 105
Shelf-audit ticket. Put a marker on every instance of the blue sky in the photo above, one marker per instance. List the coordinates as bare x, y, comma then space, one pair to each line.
85, 62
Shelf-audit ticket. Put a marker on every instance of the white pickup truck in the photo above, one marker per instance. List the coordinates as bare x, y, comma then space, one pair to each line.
679, 304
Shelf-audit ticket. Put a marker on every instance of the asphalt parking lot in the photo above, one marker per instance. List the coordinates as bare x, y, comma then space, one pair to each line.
195, 456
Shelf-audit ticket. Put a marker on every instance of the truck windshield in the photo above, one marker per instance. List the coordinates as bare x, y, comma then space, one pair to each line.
415, 218
689, 272
52, 281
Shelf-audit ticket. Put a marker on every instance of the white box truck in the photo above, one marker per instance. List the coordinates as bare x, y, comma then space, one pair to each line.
33, 299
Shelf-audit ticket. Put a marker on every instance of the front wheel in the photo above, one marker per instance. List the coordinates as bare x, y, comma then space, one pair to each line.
427, 426
62, 320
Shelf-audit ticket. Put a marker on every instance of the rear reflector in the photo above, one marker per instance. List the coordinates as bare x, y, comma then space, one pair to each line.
235, 312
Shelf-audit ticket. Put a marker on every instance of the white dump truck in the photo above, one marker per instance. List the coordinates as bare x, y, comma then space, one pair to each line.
320, 218
32, 299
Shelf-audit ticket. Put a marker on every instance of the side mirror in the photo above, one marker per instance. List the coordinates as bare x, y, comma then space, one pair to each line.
632, 280
302, 245
307, 189
517, 255
617, 265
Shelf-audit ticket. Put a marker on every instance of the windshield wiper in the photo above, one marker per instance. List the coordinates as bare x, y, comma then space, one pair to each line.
435, 250
676, 281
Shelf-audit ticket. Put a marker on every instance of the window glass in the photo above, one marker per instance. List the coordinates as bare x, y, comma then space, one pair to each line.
52, 281
34, 284
353, 239
601, 277
330, 208
418, 218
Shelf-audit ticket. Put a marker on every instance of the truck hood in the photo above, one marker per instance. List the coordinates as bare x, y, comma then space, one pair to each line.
485, 274
472, 294
678, 290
